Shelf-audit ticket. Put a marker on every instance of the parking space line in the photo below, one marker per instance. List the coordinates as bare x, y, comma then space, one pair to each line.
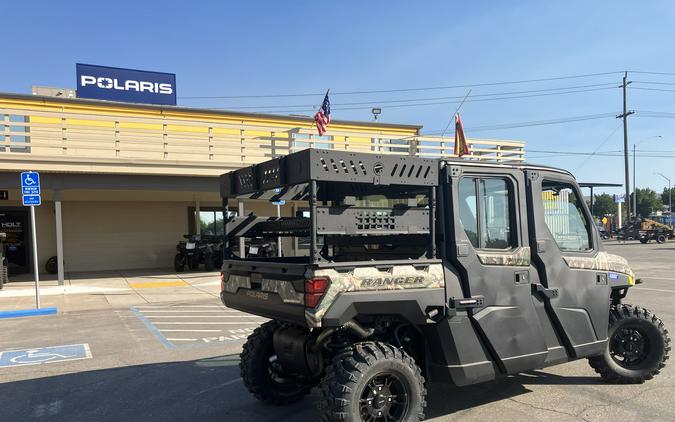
191, 331
654, 290
208, 323
190, 312
204, 316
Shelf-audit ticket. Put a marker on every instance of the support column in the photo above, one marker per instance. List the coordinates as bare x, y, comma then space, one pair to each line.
198, 223
59, 236
242, 240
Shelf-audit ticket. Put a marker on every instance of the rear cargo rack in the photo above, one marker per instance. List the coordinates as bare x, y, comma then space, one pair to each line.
330, 181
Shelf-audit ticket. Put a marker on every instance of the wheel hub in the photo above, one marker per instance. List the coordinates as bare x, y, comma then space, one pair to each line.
629, 347
384, 399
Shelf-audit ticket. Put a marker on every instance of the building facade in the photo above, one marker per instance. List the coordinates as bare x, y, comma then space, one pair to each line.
122, 183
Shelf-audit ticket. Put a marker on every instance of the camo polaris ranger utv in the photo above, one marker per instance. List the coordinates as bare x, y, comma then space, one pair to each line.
401, 270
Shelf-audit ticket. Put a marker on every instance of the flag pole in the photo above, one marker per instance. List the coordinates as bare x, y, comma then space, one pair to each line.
455, 113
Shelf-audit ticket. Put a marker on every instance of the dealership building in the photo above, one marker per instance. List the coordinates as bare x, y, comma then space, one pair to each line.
122, 181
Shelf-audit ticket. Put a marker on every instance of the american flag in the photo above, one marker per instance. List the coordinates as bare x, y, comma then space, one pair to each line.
322, 117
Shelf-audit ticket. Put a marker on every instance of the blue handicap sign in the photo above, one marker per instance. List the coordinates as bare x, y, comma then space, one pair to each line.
30, 183
279, 202
40, 355
31, 200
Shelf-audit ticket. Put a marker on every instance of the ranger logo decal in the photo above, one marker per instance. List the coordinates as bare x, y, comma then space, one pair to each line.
391, 281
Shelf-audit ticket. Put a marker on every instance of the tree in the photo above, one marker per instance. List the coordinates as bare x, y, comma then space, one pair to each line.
603, 204
648, 201
664, 196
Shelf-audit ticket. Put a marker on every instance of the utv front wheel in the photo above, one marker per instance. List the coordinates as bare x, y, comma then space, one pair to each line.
637, 348
262, 373
372, 382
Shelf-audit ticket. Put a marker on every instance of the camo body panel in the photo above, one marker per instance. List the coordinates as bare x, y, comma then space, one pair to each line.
603, 261
399, 277
235, 282
283, 288
518, 258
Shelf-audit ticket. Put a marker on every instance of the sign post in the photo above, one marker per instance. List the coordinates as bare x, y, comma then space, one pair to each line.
619, 199
30, 190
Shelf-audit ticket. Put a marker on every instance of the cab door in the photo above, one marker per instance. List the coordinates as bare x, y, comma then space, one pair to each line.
491, 253
565, 248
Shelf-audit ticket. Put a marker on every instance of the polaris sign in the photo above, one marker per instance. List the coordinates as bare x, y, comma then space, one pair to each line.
128, 85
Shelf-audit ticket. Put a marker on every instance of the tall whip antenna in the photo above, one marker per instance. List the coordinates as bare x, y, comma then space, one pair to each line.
455, 113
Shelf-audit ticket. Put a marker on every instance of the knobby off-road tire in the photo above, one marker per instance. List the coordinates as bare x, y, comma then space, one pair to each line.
371, 377
637, 349
263, 376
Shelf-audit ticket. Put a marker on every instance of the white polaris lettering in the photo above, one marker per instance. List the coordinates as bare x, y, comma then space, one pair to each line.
87, 80
128, 85
146, 86
131, 85
165, 89
105, 83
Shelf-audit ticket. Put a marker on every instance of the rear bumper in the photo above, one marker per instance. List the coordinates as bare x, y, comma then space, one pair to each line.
265, 304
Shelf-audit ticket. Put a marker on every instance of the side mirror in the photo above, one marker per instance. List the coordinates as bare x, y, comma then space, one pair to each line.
638, 281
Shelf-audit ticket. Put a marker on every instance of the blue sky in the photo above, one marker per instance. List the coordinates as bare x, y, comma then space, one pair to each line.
259, 48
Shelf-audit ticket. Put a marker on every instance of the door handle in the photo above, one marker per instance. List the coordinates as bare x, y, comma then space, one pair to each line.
538, 289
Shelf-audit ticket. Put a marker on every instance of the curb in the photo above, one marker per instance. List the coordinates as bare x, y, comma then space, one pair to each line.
28, 312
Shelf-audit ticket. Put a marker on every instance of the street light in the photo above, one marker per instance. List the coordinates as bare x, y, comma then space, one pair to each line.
670, 200
634, 185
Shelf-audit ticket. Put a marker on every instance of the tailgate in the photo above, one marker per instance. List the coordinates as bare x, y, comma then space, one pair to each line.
269, 289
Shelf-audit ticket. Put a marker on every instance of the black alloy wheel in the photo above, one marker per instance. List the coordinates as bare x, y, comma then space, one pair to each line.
385, 398
629, 347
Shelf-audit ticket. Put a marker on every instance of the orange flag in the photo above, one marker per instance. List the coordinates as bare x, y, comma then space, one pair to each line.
461, 148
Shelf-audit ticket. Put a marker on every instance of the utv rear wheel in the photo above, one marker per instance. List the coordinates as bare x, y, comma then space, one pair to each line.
661, 239
637, 348
262, 373
372, 382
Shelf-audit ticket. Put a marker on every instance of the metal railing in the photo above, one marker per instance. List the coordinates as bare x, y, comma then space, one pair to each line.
88, 137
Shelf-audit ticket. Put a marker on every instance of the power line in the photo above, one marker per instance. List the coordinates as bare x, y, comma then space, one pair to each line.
380, 91
604, 141
562, 90
422, 104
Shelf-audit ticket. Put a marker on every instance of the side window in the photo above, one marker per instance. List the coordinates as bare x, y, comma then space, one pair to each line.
485, 212
564, 217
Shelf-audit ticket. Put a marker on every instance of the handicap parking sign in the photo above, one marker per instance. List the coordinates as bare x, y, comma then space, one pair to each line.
40, 355
30, 183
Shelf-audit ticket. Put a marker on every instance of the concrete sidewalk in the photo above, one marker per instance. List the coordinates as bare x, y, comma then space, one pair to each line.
110, 289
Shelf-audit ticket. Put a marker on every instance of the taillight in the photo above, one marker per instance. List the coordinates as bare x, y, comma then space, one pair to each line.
314, 291
222, 281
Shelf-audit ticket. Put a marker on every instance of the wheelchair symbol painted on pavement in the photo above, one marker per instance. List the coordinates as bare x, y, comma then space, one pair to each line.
37, 356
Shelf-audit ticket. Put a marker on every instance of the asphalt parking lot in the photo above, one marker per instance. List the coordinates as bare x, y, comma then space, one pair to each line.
171, 359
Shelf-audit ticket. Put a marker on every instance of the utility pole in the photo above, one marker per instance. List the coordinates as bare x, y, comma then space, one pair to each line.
624, 116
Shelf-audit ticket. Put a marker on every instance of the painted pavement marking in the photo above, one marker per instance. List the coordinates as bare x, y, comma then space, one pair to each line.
189, 326
40, 355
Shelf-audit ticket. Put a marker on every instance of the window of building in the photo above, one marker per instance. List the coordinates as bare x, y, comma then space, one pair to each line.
210, 219
564, 216
486, 212
18, 134
303, 141
391, 145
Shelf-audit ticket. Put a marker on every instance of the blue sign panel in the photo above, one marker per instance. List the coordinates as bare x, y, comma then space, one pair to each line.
31, 200
44, 355
129, 85
30, 183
